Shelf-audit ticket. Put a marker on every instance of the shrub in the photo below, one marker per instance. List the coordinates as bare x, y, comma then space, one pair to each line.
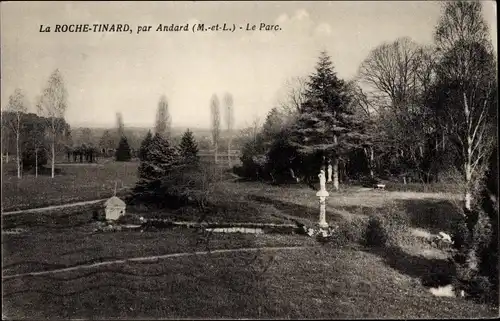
351, 231
30, 158
388, 229
183, 185
375, 235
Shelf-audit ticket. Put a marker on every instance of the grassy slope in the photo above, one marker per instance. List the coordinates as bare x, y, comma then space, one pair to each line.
328, 282
75, 183
322, 283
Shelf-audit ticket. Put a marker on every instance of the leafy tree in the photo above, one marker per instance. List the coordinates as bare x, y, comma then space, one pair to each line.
123, 151
53, 104
145, 145
189, 148
327, 126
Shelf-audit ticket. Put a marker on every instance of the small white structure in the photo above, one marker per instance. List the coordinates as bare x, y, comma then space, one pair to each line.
114, 208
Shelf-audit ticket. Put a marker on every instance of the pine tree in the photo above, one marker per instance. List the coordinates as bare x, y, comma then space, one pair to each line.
158, 160
327, 127
123, 151
145, 144
189, 148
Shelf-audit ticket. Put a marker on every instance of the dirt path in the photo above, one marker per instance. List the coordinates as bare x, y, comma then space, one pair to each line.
153, 258
53, 207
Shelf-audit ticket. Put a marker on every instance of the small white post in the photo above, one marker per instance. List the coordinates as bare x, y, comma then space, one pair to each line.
330, 172
322, 194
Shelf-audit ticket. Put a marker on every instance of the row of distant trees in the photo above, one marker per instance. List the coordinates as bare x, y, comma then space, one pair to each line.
412, 112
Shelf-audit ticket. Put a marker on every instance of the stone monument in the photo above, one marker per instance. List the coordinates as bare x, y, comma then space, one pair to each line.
322, 194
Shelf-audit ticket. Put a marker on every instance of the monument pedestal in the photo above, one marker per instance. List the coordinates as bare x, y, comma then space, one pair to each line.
322, 208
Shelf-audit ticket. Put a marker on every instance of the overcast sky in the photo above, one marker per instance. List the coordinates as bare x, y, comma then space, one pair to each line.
108, 72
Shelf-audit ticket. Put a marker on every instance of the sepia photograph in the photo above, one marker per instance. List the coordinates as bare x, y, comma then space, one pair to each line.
170, 160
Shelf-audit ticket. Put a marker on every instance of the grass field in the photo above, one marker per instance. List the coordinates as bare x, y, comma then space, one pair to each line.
321, 281
74, 183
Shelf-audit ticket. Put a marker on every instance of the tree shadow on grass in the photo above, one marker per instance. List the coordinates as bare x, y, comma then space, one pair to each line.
433, 215
431, 272
302, 213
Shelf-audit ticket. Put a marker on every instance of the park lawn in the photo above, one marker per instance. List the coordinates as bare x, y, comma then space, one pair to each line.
75, 183
63, 238
322, 282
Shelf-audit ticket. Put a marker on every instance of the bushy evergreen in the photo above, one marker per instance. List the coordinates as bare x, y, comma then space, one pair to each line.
189, 149
158, 160
327, 125
123, 153
145, 146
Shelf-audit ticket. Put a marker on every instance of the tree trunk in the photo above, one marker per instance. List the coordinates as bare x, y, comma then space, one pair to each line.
371, 162
335, 166
36, 162
17, 153
53, 159
468, 192
229, 153
216, 147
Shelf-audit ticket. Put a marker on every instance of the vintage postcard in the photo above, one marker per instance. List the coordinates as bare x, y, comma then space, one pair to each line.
249, 160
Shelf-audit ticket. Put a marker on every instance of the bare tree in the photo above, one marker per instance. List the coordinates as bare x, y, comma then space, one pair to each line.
391, 69
467, 73
461, 22
53, 104
367, 111
17, 106
163, 122
294, 96
228, 102
215, 112
396, 76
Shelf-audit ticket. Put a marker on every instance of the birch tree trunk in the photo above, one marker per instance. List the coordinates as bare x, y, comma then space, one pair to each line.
371, 162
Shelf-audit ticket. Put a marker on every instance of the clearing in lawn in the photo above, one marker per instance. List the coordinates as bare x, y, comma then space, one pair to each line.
321, 281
